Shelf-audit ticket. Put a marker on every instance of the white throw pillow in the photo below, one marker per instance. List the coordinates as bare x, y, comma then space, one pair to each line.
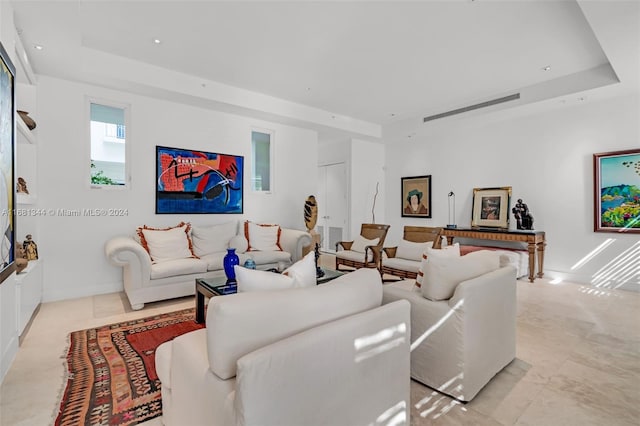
212, 239
411, 250
166, 244
300, 274
449, 251
262, 237
257, 280
303, 271
442, 275
360, 243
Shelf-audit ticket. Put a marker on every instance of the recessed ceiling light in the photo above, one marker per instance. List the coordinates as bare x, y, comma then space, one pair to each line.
547, 68
38, 46
157, 41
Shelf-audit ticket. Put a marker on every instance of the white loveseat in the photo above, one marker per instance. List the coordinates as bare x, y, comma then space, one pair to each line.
148, 281
459, 343
322, 355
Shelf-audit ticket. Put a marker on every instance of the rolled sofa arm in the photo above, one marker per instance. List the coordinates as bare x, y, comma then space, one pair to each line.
134, 259
293, 240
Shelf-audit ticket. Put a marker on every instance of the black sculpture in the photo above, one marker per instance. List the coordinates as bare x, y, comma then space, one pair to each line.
319, 271
524, 220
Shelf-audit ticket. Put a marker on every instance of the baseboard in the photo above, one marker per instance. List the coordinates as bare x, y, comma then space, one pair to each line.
76, 293
6, 359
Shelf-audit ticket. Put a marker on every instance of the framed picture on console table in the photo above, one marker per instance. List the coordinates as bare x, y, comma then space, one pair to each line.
616, 178
416, 196
491, 207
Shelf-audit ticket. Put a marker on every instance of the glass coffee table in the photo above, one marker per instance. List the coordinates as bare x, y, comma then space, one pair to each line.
218, 286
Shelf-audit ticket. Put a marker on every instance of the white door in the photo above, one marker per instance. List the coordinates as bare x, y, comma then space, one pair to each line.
333, 205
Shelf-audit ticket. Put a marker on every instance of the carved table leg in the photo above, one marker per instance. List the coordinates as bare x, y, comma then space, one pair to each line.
532, 261
541, 245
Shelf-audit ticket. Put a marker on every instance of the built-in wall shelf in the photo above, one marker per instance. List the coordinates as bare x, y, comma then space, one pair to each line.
24, 134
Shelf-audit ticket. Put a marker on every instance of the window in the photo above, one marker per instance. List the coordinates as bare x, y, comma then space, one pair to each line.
108, 144
261, 158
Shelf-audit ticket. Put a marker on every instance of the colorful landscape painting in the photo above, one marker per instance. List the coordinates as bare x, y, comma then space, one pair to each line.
189, 181
619, 191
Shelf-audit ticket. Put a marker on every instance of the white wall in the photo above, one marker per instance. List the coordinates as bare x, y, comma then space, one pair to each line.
367, 171
73, 246
546, 157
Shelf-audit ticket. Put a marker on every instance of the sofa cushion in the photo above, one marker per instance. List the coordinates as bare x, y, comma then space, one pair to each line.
240, 243
401, 264
360, 243
355, 256
268, 257
171, 268
241, 323
212, 239
411, 250
442, 274
214, 261
262, 236
448, 251
167, 243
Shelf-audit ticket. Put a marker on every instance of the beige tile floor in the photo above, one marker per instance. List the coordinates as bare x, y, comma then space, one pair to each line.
578, 361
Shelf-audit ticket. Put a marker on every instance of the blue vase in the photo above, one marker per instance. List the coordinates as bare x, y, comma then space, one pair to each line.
250, 264
230, 260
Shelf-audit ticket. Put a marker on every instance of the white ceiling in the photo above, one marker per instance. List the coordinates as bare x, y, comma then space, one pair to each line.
379, 62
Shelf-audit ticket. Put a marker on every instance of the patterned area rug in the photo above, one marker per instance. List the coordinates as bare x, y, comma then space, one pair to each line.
112, 375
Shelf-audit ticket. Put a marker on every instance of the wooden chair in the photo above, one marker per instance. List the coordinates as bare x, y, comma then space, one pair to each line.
370, 258
408, 268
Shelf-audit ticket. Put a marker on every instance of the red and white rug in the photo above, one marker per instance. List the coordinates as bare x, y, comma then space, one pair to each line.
112, 377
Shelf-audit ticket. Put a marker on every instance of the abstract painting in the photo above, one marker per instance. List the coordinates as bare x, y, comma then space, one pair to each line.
190, 181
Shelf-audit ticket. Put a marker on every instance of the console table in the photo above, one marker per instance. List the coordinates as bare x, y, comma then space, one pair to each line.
535, 241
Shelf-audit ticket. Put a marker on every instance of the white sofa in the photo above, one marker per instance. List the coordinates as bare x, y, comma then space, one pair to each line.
460, 343
322, 355
145, 281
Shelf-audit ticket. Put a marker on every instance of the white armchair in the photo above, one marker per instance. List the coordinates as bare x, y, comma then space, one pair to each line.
459, 344
282, 358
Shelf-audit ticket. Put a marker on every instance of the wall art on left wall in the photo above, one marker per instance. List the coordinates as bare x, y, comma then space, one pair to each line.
7, 146
190, 181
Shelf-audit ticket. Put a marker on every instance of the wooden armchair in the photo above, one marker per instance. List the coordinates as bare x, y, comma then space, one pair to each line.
351, 254
406, 265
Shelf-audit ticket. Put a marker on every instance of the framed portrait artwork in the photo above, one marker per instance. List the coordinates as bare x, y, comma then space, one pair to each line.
7, 170
491, 207
617, 191
190, 181
416, 196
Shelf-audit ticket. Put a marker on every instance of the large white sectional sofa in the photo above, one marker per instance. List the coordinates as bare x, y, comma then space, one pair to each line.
148, 280
322, 355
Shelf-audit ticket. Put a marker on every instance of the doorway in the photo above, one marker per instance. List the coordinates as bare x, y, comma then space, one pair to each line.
333, 205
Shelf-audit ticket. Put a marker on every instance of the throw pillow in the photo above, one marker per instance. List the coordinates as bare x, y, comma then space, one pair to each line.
442, 275
300, 274
262, 237
411, 250
303, 271
164, 244
449, 251
257, 280
360, 243
212, 239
